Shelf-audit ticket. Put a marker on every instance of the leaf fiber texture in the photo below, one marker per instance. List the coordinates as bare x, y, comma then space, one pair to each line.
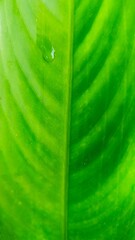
67, 113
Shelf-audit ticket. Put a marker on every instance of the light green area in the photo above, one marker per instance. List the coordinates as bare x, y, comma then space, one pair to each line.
67, 113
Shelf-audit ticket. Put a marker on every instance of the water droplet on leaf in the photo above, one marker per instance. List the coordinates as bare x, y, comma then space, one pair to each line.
47, 49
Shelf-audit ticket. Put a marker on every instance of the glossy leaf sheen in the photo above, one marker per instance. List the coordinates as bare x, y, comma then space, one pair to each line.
67, 116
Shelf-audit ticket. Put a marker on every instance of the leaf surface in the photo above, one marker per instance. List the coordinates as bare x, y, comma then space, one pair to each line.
67, 103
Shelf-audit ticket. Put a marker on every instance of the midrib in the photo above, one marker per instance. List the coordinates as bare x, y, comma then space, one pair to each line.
68, 124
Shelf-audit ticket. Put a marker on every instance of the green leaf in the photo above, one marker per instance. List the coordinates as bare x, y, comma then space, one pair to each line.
67, 112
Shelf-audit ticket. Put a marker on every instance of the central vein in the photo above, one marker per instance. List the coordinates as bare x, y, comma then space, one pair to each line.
70, 27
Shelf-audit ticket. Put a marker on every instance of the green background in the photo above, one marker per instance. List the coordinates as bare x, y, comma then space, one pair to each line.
67, 113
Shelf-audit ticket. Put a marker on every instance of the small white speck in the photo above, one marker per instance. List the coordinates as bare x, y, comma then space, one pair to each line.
53, 53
